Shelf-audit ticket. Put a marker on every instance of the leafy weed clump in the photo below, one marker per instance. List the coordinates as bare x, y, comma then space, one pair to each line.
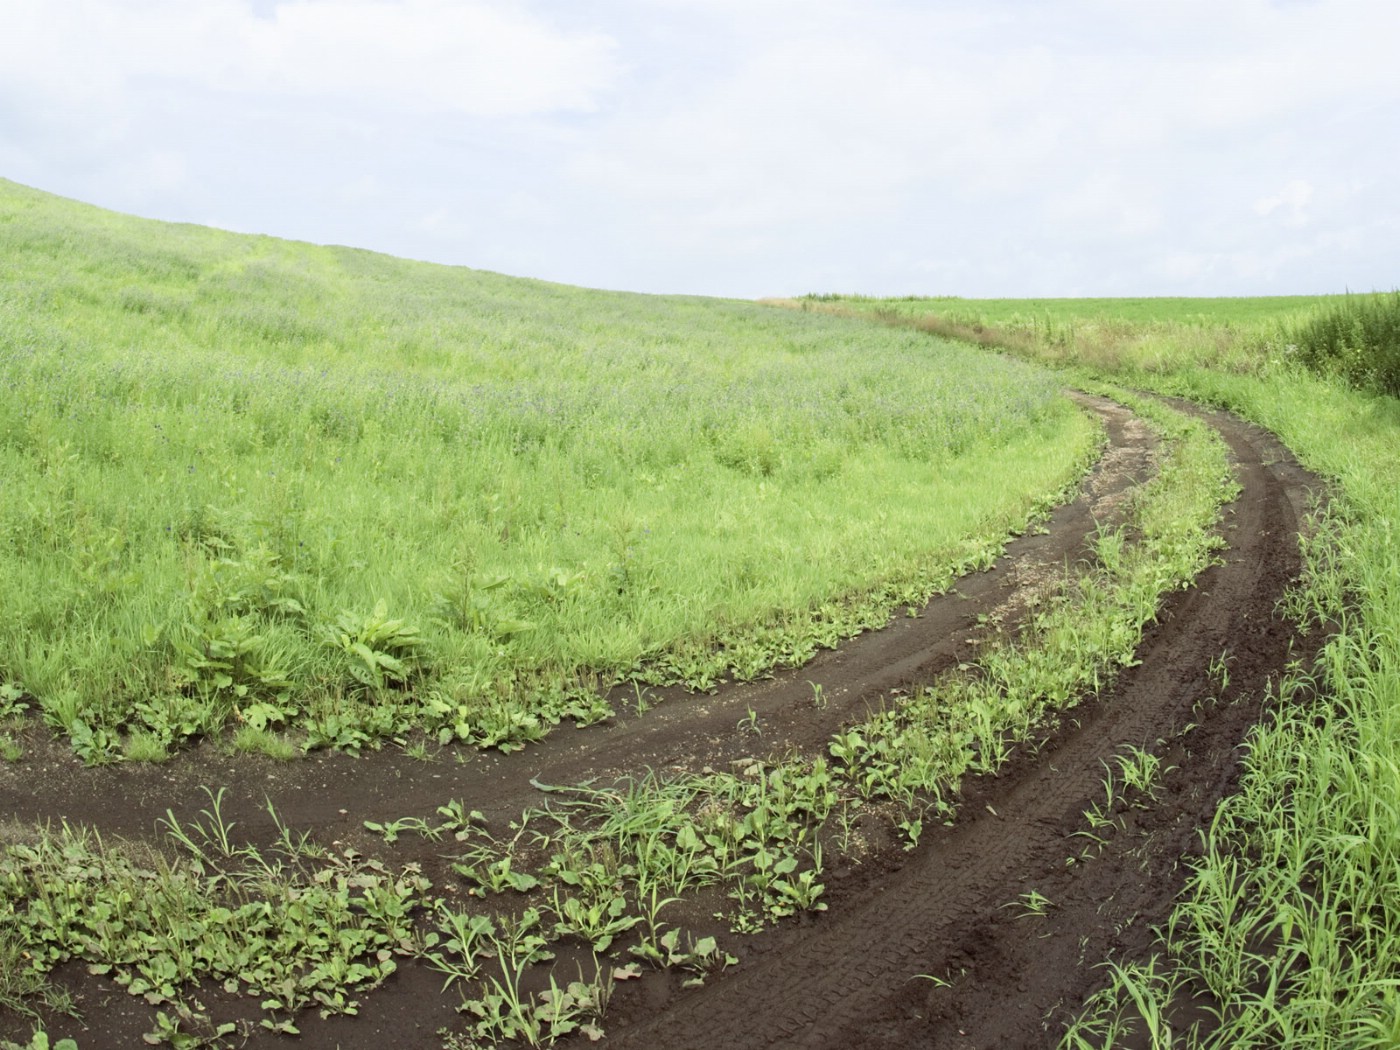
1358, 339
294, 925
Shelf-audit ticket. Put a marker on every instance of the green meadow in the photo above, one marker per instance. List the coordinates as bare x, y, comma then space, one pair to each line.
1353, 337
1038, 313
316, 496
276, 497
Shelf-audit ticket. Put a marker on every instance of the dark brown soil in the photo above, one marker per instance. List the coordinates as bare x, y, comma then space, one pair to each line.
851, 977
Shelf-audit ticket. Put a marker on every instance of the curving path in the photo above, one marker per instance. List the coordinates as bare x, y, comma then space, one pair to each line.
847, 978
851, 979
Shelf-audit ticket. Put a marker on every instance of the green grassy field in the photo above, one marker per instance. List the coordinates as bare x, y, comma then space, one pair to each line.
332, 497
286, 496
1288, 933
1037, 313
1148, 334
1292, 922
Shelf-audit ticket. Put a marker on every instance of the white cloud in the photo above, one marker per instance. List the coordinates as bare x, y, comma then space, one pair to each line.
1081, 135
1241, 267
358, 191
742, 146
801, 128
164, 169
485, 59
444, 224
1291, 203
479, 57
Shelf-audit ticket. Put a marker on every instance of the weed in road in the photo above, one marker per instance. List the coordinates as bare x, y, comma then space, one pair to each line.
1032, 903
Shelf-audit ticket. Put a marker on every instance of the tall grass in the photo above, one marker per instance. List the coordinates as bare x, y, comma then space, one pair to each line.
288, 487
1289, 928
1356, 337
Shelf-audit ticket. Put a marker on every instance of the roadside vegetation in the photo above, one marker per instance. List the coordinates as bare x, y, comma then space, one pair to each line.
1288, 932
1357, 339
1352, 337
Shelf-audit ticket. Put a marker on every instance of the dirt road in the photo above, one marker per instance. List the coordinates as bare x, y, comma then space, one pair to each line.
955, 908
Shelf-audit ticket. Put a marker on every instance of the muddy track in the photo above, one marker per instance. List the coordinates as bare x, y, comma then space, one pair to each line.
845, 979
852, 979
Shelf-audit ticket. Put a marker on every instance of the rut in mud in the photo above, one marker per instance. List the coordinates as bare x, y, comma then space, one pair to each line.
850, 977
953, 910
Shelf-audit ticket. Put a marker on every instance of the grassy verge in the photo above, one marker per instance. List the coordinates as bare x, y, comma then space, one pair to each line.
1289, 931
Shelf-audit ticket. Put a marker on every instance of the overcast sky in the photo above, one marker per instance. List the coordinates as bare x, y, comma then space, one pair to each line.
743, 147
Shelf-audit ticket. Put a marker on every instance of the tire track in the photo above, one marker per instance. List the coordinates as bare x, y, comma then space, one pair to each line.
843, 980
834, 981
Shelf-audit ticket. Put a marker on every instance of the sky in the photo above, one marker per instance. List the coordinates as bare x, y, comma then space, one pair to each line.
743, 148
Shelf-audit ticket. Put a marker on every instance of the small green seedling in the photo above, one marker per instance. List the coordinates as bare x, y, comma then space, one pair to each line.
1031, 903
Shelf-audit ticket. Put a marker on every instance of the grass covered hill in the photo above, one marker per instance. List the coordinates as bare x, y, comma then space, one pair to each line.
329, 496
